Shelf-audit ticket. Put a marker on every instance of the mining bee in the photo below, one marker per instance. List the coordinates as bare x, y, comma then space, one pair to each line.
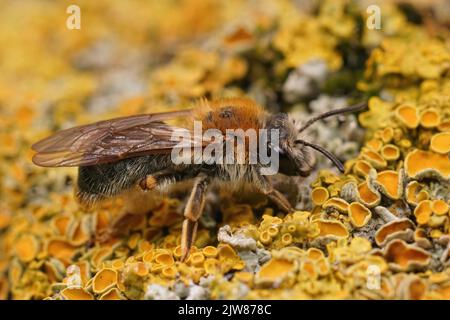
120, 154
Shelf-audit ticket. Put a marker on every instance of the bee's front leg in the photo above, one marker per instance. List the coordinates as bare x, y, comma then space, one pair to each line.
276, 196
192, 212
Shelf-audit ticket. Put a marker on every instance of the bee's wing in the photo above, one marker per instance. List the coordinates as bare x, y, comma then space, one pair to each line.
110, 140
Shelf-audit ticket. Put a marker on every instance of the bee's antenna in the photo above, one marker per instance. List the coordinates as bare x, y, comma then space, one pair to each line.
326, 153
356, 107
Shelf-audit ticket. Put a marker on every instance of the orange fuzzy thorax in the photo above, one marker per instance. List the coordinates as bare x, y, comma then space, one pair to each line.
230, 113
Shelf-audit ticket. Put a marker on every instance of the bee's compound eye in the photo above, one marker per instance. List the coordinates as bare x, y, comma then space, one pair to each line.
287, 165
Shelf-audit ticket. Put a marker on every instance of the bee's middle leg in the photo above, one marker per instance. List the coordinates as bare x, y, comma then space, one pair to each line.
192, 212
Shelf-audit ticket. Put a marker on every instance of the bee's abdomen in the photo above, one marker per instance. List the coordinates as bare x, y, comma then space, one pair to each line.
107, 180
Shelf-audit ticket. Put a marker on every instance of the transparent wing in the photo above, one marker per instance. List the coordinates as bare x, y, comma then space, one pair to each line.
110, 140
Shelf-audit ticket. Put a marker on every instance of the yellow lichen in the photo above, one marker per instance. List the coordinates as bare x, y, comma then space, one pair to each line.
390, 183
444, 126
336, 203
212, 266
374, 158
439, 207
359, 214
387, 134
275, 271
76, 293
210, 252
169, 272
423, 212
104, 280
421, 163
367, 196
319, 195
430, 118
440, 143
392, 229
27, 247
413, 193
112, 294
164, 258
61, 249
390, 152
374, 144
408, 116
362, 168
332, 228
196, 259
286, 239
406, 257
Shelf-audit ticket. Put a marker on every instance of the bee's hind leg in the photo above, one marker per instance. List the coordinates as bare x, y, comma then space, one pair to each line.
192, 212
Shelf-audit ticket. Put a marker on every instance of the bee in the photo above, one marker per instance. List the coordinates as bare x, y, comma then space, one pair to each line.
117, 155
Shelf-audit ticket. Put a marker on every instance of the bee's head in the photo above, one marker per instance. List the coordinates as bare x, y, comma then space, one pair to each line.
295, 154
295, 159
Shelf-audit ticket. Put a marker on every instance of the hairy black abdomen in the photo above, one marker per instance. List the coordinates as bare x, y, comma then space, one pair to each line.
106, 180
